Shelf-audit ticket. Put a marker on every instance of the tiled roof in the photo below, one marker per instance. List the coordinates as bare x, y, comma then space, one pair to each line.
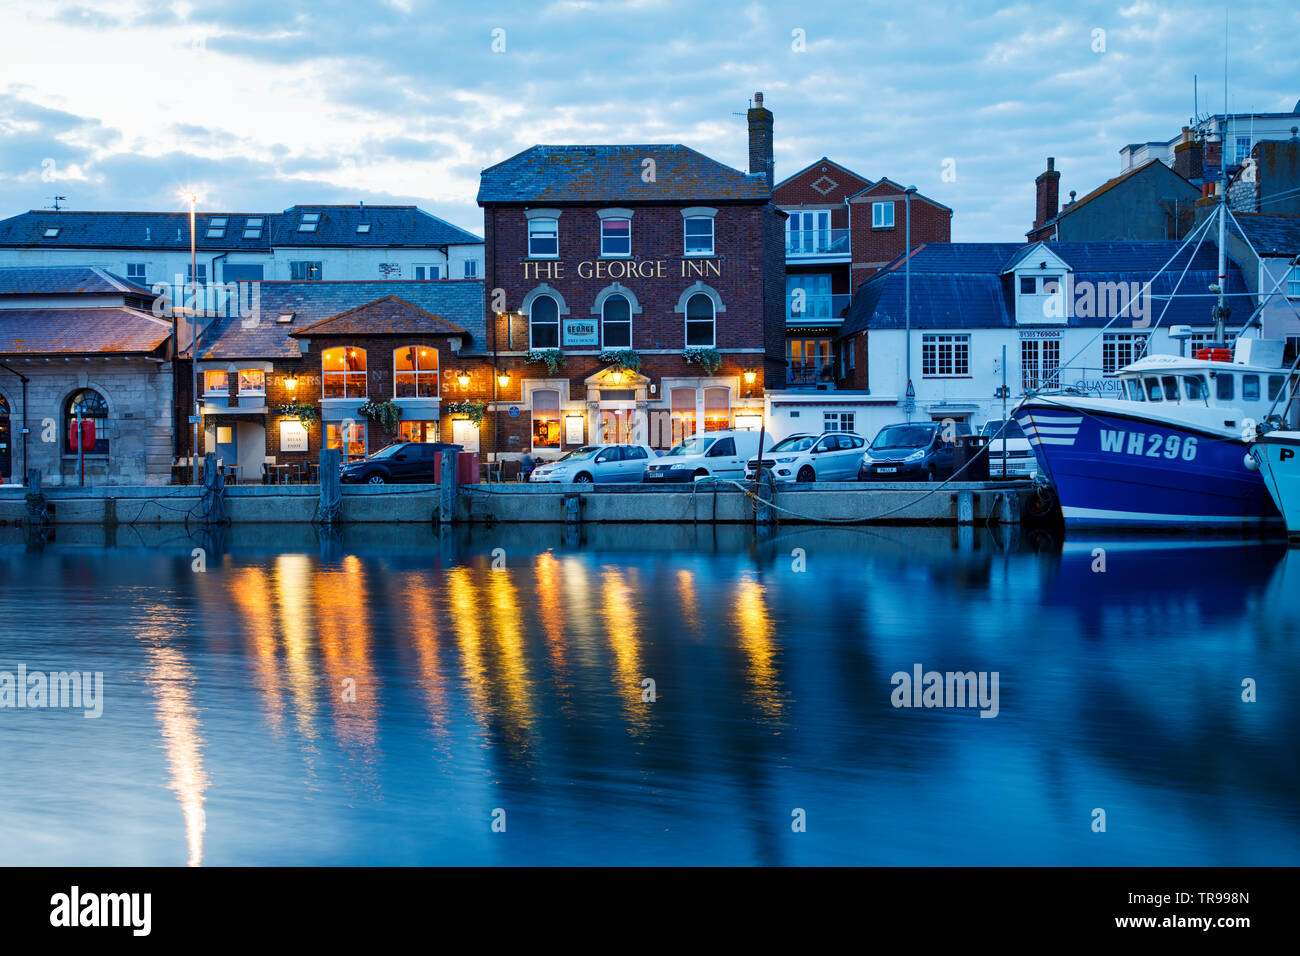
64, 280
1110, 184
80, 331
1271, 235
457, 302
387, 316
389, 226
170, 231
616, 174
961, 285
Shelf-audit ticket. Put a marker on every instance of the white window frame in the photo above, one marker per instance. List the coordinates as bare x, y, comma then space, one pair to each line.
309, 222
1134, 344
419, 373
532, 414
216, 227
327, 373
305, 264
208, 389
956, 345
252, 231
239, 380
531, 307
713, 323
471, 268
1293, 283
430, 269
605, 253
604, 340
143, 277
839, 421
539, 225
713, 237
878, 217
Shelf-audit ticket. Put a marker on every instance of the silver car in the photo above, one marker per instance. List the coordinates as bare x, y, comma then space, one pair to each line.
599, 464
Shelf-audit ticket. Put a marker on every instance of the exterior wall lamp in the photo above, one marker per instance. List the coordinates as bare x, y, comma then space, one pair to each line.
463, 377
503, 379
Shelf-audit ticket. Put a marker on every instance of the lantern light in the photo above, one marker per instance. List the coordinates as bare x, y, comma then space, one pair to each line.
463, 377
503, 379
290, 382
750, 375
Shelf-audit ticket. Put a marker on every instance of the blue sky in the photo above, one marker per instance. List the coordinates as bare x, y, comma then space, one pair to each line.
121, 104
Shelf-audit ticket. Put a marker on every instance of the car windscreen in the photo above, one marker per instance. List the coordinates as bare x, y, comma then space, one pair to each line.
1011, 432
904, 436
793, 443
692, 446
581, 454
388, 451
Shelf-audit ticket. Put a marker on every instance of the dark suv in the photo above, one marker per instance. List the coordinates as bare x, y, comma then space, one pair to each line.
401, 461
911, 451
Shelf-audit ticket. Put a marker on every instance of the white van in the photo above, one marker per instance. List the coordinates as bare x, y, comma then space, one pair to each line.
713, 454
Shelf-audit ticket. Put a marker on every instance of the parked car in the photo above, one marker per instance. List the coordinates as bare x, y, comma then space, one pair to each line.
715, 454
1021, 461
831, 456
911, 451
598, 463
400, 461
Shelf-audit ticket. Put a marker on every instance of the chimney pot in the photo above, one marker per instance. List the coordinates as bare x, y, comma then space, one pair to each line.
758, 99
1051, 163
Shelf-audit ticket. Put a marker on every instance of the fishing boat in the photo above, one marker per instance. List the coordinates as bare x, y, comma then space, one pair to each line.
1277, 455
1172, 452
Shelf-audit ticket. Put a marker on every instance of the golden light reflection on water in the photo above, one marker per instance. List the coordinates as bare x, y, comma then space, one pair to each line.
507, 626
248, 590
463, 607
292, 588
753, 625
623, 631
688, 604
171, 678
421, 619
548, 598
342, 602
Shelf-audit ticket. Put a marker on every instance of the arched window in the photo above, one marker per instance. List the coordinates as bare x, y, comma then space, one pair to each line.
546, 419
85, 406
717, 409
415, 372
544, 323
699, 321
616, 321
343, 372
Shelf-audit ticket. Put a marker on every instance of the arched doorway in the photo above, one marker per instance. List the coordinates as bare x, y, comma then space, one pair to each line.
6, 444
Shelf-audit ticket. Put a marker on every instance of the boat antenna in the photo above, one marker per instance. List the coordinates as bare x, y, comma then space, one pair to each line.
1221, 310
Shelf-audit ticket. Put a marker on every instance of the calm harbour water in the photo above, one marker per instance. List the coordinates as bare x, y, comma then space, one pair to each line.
227, 735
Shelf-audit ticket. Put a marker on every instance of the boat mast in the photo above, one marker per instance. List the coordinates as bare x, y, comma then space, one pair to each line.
1221, 310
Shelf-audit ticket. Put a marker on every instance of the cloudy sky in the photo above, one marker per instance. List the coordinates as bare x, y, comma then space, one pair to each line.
120, 104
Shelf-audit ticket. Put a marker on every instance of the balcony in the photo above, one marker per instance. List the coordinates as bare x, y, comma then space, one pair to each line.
817, 244
808, 374
815, 309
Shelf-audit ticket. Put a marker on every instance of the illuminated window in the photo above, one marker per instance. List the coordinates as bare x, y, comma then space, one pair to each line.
546, 419
343, 373
421, 431
717, 409
683, 414
349, 439
252, 381
415, 372
216, 381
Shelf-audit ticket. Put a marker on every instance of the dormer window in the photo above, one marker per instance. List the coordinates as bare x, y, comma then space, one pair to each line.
216, 227
253, 227
309, 222
52, 232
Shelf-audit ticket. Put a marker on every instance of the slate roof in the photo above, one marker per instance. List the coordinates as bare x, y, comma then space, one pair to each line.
64, 280
963, 285
459, 302
613, 175
1106, 187
80, 331
389, 226
387, 316
1271, 235
395, 226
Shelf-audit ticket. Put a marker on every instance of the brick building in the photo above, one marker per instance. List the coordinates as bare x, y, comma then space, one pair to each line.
635, 293
335, 347
842, 229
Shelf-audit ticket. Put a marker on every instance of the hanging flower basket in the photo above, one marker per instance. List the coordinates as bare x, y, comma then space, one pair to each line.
388, 414
623, 360
473, 410
708, 359
553, 358
299, 410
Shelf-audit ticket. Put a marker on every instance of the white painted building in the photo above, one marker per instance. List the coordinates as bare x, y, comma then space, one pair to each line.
301, 243
1046, 304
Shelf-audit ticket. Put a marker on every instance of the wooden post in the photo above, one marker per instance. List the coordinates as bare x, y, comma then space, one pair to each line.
331, 490
213, 492
447, 486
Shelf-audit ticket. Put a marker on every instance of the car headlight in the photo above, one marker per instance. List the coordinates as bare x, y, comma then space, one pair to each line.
786, 461
915, 456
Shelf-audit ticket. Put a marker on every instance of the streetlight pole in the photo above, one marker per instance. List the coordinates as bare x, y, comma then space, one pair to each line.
910, 394
194, 352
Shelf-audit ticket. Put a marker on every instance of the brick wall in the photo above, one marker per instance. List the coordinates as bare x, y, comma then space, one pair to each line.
875, 248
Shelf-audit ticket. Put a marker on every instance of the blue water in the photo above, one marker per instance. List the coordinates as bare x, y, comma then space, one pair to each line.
228, 735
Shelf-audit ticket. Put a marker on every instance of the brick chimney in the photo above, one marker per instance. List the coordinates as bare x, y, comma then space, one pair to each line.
1048, 188
1189, 158
760, 141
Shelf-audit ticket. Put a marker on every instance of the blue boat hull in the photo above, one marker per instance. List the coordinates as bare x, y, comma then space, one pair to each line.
1111, 469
